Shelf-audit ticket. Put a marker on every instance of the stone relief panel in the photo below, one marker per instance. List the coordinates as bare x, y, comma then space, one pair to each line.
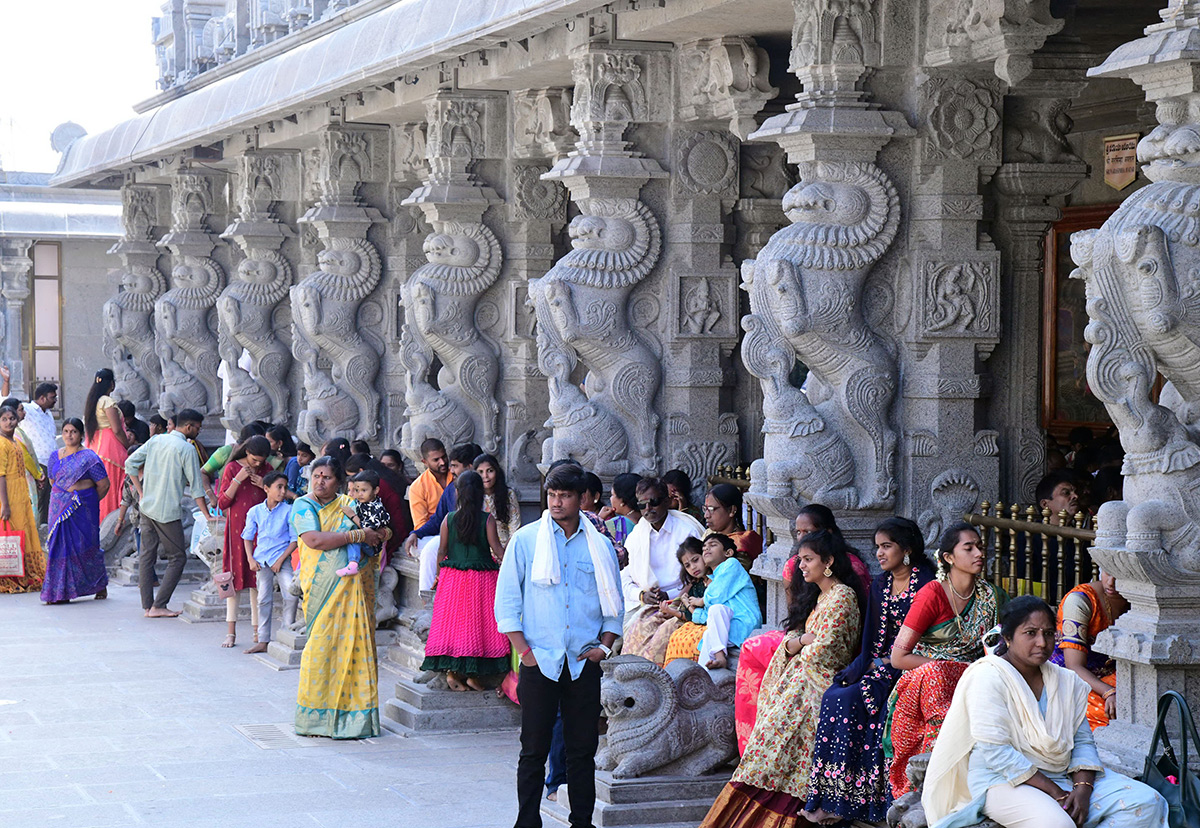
806, 304
706, 163
963, 119
536, 199
959, 299
1004, 32
542, 123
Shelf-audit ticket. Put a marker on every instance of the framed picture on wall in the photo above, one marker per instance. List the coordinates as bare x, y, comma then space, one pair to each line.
1067, 401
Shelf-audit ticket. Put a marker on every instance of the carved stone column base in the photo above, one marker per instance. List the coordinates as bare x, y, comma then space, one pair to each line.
659, 801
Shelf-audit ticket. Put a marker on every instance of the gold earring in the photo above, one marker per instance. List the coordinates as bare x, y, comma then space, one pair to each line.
828, 572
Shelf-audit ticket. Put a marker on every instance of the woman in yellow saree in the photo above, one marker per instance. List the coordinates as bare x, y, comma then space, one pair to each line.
339, 692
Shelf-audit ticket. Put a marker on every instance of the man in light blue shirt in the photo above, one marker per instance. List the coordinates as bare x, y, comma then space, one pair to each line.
562, 635
162, 470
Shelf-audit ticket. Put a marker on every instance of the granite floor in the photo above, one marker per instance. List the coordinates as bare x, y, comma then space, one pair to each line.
111, 719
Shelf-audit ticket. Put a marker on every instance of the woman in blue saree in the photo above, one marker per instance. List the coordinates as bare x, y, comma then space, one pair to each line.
339, 685
74, 559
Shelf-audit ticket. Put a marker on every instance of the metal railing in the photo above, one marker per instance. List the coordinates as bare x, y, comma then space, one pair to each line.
1029, 553
751, 518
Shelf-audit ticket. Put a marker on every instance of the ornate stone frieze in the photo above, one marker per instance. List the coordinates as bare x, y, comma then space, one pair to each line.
1005, 33
246, 309
339, 365
806, 303
724, 78
129, 315
184, 340
542, 123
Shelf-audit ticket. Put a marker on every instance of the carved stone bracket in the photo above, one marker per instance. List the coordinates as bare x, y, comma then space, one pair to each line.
1004, 33
542, 123
724, 78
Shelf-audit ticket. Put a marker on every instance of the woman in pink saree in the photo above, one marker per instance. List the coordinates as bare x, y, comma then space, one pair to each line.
106, 435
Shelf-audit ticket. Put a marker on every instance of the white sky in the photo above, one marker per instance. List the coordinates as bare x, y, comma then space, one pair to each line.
86, 61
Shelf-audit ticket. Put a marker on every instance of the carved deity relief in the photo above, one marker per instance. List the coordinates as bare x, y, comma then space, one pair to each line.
828, 32
806, 285
186, 347
582, 303
325, 332
542, 123
440, 300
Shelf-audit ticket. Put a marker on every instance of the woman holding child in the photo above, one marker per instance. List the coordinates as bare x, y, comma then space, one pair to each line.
339, 693
849, 778
771, 783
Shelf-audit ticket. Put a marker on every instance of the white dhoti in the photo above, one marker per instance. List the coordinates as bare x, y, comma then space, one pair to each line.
427, 551
716, 633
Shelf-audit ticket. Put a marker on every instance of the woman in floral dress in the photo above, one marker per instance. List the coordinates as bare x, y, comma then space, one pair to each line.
849, 773
770, 786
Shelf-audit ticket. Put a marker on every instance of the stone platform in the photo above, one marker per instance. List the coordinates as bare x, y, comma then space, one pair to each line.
422, 709
658, 801
195, 571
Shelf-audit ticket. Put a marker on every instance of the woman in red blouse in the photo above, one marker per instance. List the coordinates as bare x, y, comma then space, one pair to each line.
239, 489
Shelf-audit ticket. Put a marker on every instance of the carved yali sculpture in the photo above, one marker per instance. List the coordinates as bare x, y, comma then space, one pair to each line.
803, 458
439, 314
129, 334
672, 722
584, 299
1142, 271
185, 343
246, 310
808, 281
325, 329
582, 430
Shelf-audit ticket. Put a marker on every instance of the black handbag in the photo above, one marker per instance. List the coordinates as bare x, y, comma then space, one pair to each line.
1183, 796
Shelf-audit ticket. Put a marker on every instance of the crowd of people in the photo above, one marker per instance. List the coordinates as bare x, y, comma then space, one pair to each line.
863, 675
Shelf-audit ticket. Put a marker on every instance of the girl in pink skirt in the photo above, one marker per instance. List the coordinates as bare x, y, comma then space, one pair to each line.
463, 640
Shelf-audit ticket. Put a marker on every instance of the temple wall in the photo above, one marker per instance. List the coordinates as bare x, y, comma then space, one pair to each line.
87, 285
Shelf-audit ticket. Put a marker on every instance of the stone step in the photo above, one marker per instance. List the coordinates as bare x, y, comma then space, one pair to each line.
194, 572
419, 709
659, 801
285, 650
204, 606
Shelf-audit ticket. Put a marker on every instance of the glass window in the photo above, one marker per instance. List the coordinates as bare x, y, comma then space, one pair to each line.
45, 313
45, 259
46, 365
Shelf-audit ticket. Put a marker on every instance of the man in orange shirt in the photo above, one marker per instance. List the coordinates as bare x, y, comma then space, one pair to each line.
426, 490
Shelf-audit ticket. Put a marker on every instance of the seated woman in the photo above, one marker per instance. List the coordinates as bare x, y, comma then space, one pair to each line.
649, 636
1017, 749
724, 615
1084, 613
757, 651
771, 783
940, 637
849, 773
723, 513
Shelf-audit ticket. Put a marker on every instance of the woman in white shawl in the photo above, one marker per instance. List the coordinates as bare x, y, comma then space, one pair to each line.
1016, 746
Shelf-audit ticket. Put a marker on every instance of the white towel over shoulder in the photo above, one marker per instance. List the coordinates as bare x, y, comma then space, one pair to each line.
547, 570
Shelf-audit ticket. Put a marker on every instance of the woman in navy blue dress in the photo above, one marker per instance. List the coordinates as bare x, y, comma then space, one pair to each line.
849, 776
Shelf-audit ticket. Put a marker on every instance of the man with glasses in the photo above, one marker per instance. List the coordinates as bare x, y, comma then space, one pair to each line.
652, 575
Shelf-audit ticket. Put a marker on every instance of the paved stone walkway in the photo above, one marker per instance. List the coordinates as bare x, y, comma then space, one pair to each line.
111, 719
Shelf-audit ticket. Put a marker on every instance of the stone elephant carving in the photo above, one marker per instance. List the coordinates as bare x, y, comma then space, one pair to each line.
676, 721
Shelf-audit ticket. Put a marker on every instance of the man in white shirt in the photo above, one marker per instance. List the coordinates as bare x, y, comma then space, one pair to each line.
39, 429
653, 571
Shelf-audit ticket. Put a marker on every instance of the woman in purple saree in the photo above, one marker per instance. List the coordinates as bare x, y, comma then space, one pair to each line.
74, 559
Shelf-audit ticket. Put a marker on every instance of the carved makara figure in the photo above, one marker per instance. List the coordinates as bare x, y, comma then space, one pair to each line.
808, 283
672, 722
325, 328
186, 346
584, 299
439, 313
1143, 303
246, 310
129, 334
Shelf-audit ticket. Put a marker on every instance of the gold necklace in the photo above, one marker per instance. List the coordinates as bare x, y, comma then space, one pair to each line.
963, 598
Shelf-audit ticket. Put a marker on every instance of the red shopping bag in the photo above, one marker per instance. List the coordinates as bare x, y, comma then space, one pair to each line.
12, 552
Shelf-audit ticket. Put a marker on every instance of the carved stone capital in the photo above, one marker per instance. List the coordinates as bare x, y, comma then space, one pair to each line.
724, 78
542, 123
1004, 33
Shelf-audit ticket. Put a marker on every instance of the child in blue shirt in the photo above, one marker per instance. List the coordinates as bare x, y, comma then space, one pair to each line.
270, 540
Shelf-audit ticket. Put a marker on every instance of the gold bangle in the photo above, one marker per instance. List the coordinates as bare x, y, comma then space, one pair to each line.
1109, 694
1089, 784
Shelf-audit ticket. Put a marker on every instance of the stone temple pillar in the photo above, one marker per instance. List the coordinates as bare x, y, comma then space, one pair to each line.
15, 266
585, 319
1139, 269
129, 316
451, 368
836, 441
184, 339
